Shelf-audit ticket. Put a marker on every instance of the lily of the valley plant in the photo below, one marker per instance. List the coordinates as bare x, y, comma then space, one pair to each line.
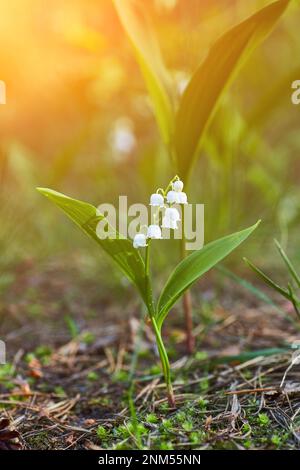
133, 257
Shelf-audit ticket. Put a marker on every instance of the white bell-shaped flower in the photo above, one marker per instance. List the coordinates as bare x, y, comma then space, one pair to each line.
182, 198
154, 232
167, 223
172, 214
139, 240
172, 197
177, 186
157, 200
171, 218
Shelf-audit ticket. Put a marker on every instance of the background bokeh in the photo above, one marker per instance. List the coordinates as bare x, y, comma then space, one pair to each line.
78, 120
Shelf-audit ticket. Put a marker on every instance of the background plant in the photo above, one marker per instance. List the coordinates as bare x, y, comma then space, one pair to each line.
290, 291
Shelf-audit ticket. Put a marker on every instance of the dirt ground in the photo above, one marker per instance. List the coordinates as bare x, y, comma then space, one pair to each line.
84, 374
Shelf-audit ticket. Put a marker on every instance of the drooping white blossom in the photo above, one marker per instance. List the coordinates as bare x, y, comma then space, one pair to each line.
156, 200
177, 186
172, 197
182, 198
139, 241
154, 232
171, 218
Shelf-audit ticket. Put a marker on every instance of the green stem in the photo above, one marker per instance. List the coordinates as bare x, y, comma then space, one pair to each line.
161, 348
165, 362
147, 260
148, 279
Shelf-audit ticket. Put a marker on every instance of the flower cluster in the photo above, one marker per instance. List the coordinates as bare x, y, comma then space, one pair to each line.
163, 201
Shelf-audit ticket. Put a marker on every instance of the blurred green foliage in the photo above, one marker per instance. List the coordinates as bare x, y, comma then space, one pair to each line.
78, 119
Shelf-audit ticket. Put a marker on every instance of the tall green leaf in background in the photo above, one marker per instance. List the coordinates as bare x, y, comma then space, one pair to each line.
147, 50
201, 96
86, 216
194, 266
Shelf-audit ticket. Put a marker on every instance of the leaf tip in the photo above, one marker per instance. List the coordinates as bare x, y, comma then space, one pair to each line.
41, 190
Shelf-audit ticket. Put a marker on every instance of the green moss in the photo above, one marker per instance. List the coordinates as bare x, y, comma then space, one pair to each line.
152, 418
202, 402
39, 441
35, 310
165, 445
60, 391
248, 444
121, 376
263, 419
88, 338
180, 417
276, 440
102, 433
204, 385
187, 426
92, 376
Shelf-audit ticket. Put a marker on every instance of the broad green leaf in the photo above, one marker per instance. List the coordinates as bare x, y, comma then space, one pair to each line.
194, 266
201, 96
86, 216
148, 54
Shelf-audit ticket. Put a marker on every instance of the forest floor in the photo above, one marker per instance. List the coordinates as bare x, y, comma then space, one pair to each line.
81, 374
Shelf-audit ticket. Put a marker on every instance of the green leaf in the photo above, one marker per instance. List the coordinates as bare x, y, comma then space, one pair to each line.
148, 54
194, 266
120, 249
210, 80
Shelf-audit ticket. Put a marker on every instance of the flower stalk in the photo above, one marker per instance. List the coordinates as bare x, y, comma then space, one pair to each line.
165, 362
187, 301
157, 331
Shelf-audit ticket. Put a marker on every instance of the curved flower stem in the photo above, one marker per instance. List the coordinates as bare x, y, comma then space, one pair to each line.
187, 300
165, 362
161, 348
147, 278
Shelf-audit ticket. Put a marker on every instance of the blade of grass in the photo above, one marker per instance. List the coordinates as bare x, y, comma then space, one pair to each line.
258, 293
294, 300
248, 355
288, 263
268, 280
